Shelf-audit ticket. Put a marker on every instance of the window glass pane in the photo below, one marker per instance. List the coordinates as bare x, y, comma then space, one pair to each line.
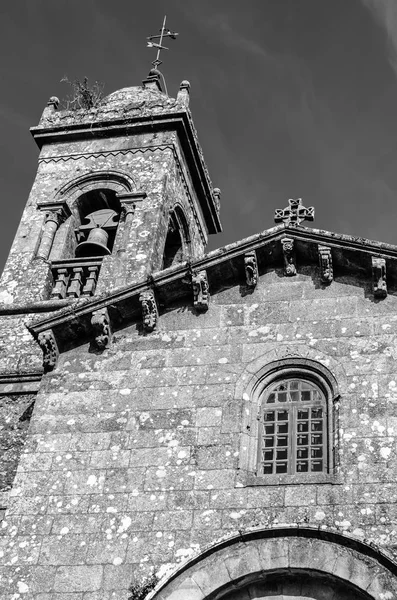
282, 397
269, 416
316, 452
306, 396
281, 467
282, 441
302, 466
282, 454
303, 426
294, 396
268, 455
317, 413
317, 465
282, 415
271, 398
267, 469
294, 385
282, 427
303, 414
269, 429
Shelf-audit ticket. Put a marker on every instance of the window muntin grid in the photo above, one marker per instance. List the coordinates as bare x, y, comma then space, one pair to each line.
293, 431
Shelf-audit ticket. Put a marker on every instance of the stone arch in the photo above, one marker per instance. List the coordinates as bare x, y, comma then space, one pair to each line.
177, 242
114, 180
300, 361
360, 571
77, 193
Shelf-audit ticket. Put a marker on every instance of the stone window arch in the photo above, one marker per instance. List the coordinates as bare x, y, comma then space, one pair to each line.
289, 430
177, 242
88, 233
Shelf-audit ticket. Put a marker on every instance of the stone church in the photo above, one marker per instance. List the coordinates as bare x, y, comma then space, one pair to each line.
183, 425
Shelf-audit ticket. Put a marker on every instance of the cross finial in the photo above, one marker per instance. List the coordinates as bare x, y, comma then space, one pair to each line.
151, 44
294, 214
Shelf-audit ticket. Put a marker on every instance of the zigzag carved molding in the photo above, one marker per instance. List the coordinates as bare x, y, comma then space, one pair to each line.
125, 151
87, 155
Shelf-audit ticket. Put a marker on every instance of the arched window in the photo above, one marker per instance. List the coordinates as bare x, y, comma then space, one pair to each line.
177, 243
289, 429
293, 429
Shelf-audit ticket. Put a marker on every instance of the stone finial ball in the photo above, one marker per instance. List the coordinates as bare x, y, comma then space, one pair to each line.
185, 85
154, 73
53, 101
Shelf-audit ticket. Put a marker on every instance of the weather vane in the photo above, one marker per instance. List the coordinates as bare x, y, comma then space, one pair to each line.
151, 44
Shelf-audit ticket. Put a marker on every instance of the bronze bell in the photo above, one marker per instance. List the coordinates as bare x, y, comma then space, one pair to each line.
95, 245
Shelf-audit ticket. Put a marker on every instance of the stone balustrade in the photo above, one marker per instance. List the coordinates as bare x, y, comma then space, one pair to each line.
75, 277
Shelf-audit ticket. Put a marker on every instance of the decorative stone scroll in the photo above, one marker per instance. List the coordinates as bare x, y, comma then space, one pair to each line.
325, 260
379, 277
201, 291
100, 321
289, 256
251, 269
49, 346
149, 310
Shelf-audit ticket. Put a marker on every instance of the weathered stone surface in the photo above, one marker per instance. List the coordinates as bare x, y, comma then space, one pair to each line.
142, 451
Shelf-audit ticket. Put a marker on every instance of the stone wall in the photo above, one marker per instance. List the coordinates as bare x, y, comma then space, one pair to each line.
133, 454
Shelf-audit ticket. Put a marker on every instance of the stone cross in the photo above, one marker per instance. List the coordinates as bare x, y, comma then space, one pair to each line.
294, 214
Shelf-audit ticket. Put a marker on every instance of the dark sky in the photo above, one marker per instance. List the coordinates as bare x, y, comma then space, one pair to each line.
291, 98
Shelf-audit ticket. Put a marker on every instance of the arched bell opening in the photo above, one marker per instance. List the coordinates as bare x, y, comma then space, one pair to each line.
177, 242
99, 214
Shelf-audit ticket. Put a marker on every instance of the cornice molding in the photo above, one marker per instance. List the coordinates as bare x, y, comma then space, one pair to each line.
215, 261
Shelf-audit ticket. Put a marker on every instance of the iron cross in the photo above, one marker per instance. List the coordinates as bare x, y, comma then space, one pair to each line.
151, 44
294, 214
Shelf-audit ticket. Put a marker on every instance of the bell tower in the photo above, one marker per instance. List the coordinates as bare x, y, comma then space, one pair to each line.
121, 191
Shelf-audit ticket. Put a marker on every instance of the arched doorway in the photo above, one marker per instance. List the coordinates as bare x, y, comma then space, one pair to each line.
297, 585
284, 564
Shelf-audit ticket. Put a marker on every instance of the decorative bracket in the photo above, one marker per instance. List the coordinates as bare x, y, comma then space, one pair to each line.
149, 310
201, 291
379, 277
100, 321
289, 256
49, 346
251, 269
326, 268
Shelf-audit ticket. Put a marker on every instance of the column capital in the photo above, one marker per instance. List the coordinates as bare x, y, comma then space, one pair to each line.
56, 211
129, 200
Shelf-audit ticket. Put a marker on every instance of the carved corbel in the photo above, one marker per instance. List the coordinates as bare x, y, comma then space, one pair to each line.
100, 321
149, 310
49, 346
251, 269
325, 259
379, 277
201, 291
289, 256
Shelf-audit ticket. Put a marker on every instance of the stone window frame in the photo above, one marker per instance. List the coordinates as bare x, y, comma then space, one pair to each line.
268, 375
178, 218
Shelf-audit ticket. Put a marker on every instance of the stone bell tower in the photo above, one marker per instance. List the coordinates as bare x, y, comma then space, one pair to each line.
121, 191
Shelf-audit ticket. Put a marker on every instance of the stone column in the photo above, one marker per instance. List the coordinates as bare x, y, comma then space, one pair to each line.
57, 212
